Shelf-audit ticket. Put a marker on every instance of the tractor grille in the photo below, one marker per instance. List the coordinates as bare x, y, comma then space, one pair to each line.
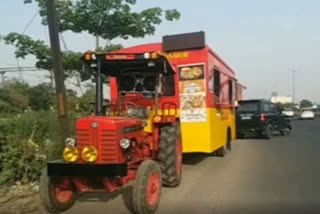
109, 145
83, 138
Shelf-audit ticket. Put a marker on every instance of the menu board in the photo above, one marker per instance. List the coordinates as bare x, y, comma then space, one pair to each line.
192, 93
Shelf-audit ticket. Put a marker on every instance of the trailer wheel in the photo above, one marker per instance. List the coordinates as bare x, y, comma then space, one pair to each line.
221, 152
147, 188
229, 139
170, 155
56, 194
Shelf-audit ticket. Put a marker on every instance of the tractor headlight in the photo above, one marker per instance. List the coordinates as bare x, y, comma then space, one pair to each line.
125, 143
147, 55
70, 154
70, 141
89, 154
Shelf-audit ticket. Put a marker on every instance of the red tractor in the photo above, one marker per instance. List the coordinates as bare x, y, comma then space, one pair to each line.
136, 136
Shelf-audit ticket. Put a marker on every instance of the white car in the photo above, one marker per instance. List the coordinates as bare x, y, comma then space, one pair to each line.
306, 115
288, 113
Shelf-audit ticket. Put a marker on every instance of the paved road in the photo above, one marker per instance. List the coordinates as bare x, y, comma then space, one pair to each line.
281, 175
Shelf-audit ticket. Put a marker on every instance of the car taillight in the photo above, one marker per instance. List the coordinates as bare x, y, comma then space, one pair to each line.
262, 117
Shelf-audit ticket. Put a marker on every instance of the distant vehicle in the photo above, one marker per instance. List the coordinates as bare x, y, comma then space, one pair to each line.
261, 117
288, 112
306, 115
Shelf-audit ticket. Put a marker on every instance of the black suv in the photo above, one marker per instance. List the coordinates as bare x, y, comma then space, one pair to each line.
261, 117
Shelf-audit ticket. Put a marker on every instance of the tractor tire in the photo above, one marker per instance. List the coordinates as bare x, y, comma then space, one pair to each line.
170, 155
146, 191
56, 194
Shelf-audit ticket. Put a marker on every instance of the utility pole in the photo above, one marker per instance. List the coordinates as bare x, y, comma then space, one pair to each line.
19, 69
293, 84
97, 42
57, 68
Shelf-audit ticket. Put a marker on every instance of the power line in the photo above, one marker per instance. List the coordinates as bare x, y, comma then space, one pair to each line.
30, 22
23, 32
46, 35
78, 84
64, 42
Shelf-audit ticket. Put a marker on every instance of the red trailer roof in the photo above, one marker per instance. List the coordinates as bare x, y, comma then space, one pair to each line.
158, 47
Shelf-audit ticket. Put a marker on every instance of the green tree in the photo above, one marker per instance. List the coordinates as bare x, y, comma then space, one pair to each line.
86, 100
41, 97
305, 103
108, 19
25, 46
20, 87
5, 104
14, 97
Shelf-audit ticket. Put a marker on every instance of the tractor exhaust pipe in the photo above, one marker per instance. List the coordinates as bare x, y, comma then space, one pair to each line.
99, 89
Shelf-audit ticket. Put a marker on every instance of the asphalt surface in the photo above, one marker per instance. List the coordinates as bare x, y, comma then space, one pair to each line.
281, 175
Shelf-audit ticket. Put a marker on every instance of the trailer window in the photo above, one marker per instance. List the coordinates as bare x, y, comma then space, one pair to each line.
168, 85
216, 84
231, 97
211, 78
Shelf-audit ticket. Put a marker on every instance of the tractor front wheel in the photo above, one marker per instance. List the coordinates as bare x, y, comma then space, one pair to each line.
56, 194
144, 197
170, 155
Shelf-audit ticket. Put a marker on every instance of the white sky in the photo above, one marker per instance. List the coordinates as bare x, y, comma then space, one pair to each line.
261, 40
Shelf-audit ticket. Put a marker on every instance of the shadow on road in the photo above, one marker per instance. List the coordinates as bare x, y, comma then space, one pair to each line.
97, 197
194, 158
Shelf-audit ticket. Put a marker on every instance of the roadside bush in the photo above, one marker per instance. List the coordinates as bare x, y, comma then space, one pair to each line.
42, 97
27, 142
29, 132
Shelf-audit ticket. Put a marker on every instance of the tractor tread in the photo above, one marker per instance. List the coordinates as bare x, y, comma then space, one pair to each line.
167, 156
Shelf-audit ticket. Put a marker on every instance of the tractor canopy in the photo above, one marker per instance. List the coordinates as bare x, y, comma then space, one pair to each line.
115, 64
138, 74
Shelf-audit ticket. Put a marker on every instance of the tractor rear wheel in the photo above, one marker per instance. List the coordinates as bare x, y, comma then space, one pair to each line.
146, 191
56, 194
170, 155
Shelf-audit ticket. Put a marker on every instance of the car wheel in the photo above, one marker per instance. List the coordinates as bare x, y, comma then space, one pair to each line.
240, 135
268, 132
285, 131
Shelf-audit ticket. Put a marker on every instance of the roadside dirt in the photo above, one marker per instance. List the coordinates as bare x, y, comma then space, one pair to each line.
20, 199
